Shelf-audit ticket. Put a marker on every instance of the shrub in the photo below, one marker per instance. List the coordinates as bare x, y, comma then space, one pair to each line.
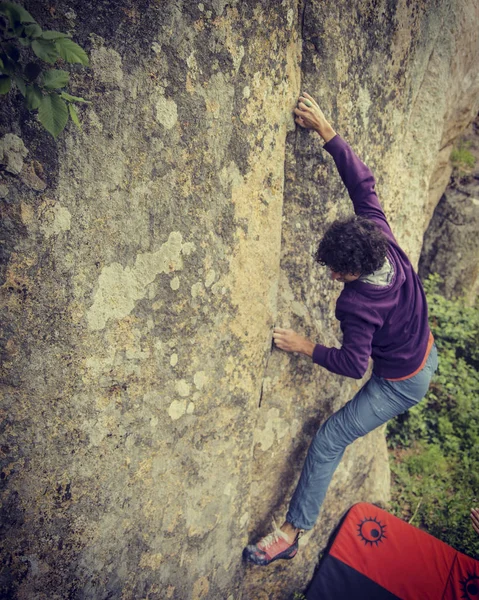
462, 160
435, 446
25, 43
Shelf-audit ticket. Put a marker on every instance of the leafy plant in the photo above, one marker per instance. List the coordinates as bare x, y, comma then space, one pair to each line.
434, 447
42, 89
462, 160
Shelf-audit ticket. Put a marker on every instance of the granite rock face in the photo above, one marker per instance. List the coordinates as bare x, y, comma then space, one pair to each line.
451, 243
149, 430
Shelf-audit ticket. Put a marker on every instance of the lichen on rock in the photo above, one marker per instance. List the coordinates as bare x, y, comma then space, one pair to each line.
12, 153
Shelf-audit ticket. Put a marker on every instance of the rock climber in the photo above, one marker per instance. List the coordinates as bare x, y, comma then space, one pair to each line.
382, 311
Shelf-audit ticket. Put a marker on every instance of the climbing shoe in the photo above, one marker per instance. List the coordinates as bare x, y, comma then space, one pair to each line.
272, 547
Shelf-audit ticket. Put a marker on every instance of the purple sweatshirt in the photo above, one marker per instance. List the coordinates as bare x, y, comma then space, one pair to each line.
388, 323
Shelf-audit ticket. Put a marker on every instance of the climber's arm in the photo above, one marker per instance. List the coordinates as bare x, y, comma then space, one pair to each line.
357, 177
290, 341
350, 360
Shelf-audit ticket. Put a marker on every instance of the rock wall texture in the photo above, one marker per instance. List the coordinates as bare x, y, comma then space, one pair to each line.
148, 429
451, 243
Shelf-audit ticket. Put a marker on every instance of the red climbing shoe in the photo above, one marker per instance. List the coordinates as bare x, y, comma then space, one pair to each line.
272, 547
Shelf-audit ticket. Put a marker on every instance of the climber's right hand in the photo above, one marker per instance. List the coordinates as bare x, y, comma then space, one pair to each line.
310, 116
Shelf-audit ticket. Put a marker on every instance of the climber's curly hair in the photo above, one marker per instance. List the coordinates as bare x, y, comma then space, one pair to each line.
353, 245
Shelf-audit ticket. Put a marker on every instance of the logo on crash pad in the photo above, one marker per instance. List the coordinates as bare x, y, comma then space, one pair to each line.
470, 587
371, 531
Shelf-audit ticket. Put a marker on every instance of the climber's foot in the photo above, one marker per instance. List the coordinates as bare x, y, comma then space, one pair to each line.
277, 545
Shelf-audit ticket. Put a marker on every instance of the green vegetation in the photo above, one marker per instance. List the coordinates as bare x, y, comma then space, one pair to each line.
434, 448
23, 37
462, 160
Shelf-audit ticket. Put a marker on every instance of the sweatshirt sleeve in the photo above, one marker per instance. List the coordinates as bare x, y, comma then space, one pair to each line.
359, 181
352, 358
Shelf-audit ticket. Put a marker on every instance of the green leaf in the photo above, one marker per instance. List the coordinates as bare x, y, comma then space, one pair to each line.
45, 50
69, 98
12, 52
33, 30
71, 52
54, 35
20, 84
1, 63
15, 13
24, 41
34, 96
55, 79
74, 115
53, 114
5, 84
32, 71
8, 64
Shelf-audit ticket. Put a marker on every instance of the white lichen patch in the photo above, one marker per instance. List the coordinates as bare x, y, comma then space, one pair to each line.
27, 213
290, 17
152, 291
137, 354
230, 176
191, 62
188, 248
200, 378
55, 219
175, 283
12, 153
275, 428
174, 360
120, 288
210, 278
295, 427
158, 305
166, 112
364, 103
96, 365
191, 408
183, 388
196, 289
299, 309
177, 409
106, 65
237, 53
244, 519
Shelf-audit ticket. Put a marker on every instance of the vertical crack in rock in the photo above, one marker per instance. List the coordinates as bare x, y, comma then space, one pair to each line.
265, 370
303, 18
261, 394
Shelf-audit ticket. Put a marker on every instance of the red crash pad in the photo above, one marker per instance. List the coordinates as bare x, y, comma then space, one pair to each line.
376, 556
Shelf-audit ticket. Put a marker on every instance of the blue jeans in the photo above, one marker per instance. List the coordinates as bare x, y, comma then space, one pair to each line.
375, 403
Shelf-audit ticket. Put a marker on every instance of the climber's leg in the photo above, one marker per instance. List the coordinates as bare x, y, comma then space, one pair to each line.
376, 403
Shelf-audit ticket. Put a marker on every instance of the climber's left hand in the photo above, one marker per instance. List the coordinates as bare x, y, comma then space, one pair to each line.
290, 341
